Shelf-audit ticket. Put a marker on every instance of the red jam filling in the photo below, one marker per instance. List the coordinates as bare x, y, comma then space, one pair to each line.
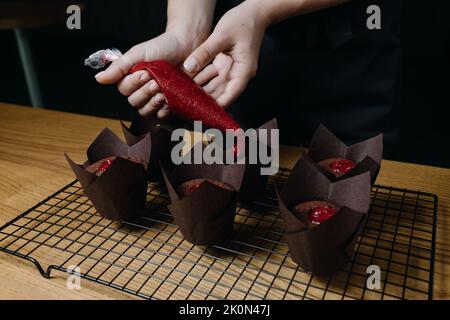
341, 167
195, 186
105, 165
320, 214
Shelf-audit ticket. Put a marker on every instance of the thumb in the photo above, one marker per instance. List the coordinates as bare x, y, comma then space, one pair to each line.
120, 67
204, 54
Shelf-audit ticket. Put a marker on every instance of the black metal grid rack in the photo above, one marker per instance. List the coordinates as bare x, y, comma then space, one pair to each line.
148, 257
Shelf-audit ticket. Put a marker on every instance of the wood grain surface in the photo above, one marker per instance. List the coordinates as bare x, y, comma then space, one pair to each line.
32, 166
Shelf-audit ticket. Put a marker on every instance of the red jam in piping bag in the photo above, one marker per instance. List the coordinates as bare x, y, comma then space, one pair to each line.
186, 99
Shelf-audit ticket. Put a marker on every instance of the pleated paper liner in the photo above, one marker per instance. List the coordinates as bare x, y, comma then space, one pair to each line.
119, 192
254, 184
161, 144
366, 154
206, 215
325, 248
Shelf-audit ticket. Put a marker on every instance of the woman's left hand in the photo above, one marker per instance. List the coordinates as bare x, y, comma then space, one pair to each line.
233, 48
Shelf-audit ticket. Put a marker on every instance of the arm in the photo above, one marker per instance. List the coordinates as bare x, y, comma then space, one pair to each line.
234, 45
273, 12
191, 18
197, 15
188, 25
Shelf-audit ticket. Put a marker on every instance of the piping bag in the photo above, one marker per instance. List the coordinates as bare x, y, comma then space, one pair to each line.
186, 99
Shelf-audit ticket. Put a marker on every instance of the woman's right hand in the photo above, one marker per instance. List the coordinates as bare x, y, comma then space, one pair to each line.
142, 91
188, 25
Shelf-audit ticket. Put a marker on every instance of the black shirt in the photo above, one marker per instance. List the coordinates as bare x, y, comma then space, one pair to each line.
329, 67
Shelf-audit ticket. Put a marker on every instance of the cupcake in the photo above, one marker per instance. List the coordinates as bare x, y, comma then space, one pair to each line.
161, 144
254, 183
203, 200
114, 176
322, 218
339, 161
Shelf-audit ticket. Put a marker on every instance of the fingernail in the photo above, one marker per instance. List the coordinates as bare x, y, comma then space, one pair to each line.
160, 98
191, 65
142, 112
144, 77
99, 75
163, 112
153, 86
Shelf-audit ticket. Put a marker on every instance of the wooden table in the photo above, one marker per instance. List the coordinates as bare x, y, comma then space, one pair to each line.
32, 166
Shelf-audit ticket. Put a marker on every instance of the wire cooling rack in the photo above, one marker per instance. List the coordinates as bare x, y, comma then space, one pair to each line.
148, 257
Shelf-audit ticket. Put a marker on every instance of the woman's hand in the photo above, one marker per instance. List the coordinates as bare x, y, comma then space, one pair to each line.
234, 45
143, 92
189, 24
233, 48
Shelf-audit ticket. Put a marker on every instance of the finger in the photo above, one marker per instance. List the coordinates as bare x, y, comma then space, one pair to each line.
153, 87
233, 90
120, 68
223, 63
155, 103
147, 110
163, 112
215, 94
213, 85
240, 76
204, 54
144, 94
206, 75
133, 82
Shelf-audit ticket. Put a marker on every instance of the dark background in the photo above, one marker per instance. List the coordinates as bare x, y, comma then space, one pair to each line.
67, 85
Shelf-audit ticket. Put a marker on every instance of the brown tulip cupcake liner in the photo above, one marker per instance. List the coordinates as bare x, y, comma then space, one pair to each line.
204, 196
339, 161
203, 200
325, 247
113, 177
254, 183
161, 144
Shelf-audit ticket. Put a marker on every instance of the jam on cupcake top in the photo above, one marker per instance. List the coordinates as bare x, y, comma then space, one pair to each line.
337, 166
104, 165
316, 211
190, 186
101, 166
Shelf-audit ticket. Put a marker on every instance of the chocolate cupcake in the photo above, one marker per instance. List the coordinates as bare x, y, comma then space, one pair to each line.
339, 161
322, 218
254, 183
114, 176
161, 144
203, 200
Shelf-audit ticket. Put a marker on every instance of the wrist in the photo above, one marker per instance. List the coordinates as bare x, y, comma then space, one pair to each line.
192, 34
263, 12
190, 20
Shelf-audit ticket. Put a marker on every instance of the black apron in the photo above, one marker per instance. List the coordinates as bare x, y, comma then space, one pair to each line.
328, 67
